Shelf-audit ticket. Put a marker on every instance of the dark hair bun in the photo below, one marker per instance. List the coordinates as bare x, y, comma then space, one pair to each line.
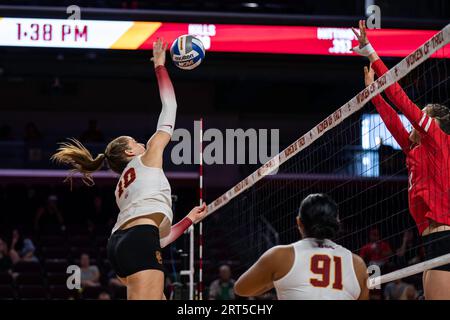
319, 215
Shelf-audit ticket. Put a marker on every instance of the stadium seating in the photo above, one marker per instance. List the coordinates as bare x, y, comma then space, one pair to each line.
7, 292
32, 292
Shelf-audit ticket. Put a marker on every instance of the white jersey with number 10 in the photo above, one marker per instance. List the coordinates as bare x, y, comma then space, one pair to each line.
141, 191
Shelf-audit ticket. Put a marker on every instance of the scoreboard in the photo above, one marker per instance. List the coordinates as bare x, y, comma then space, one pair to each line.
139, 35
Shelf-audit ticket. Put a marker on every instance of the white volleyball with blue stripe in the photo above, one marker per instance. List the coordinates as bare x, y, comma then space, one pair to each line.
187, 52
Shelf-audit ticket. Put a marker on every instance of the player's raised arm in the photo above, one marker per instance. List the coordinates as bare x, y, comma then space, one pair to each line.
390, 117
419, 119
166, 121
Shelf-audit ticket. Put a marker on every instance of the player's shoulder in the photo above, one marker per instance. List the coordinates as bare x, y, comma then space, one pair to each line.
341, 250
136, 164
280, 251
280, 259
278, 255
341, 247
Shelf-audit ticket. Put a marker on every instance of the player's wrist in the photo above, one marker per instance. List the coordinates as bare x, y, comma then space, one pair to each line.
366, 50
190, 218
159, 64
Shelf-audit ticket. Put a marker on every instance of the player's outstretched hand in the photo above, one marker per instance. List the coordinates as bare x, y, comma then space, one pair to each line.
368, 76
362, 35
198, 213
159, 52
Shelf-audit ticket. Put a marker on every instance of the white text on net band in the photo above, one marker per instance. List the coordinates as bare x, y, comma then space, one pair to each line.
396, 73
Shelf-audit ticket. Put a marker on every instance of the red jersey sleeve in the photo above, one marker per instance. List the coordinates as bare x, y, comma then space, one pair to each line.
392, 121
400, 99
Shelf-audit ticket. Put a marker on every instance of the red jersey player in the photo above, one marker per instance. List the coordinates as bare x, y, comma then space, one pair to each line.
428, 162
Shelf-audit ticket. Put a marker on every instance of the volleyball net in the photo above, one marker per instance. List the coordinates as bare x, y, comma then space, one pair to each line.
351, 156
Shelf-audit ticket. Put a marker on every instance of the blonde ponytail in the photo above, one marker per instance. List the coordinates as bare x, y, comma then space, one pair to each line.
76, 155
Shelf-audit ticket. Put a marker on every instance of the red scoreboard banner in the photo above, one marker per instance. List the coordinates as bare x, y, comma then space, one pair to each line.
134, 35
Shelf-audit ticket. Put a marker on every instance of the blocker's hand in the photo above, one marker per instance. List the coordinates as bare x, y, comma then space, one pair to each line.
159, 52
198, 213
368, 75
362, 35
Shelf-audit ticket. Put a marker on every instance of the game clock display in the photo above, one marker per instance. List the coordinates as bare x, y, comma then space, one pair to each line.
50, 32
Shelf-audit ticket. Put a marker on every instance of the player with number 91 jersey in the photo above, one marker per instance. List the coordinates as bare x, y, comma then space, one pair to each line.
321, 270
313, 268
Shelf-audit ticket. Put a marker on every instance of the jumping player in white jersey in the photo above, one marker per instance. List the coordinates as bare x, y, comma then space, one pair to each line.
143, 195
313, 268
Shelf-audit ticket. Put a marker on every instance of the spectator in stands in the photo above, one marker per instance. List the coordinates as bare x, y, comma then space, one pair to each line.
104, 296
222, 288
5, 259
48, 217
400, 290
376, 251
22, 248
92, 134
90, 274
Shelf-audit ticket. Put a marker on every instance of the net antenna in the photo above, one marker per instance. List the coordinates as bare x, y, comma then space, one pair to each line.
190, 272
200, 235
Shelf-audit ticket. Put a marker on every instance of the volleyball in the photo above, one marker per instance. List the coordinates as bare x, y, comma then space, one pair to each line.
187, 52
